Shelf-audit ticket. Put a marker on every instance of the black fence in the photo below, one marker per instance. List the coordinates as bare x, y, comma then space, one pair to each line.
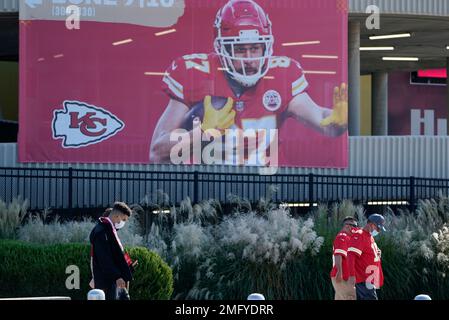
79, 188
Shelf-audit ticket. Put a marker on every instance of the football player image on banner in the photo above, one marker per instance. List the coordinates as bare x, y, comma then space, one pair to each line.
234, 82
254, 91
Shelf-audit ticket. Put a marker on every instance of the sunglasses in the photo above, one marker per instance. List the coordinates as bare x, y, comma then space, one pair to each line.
351, 224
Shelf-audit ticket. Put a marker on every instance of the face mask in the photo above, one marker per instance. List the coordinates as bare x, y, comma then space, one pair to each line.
119, 225
374, 233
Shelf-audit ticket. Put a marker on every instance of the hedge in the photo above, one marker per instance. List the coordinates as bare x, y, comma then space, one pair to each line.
30, 270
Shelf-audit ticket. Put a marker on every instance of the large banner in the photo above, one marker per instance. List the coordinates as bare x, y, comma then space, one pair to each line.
236, 82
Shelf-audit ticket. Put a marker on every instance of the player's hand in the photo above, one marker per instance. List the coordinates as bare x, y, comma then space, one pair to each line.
339, 115
120, 283
218, 119
351, 281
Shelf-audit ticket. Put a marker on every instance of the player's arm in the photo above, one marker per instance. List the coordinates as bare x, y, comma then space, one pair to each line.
331, 122
338, 265
170, 120
340, 251
214, 122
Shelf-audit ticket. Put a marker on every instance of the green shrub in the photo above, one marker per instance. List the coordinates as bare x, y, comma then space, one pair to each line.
37, 230
250, 250
153, 277
37, 270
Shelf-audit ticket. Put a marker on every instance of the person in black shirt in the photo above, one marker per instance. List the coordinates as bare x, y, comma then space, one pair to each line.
111, 266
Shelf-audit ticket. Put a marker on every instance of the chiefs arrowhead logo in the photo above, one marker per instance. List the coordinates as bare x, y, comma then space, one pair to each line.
80, 124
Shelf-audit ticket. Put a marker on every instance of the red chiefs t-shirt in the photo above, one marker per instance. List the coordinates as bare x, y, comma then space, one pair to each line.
363, 255
340, 248
191, 78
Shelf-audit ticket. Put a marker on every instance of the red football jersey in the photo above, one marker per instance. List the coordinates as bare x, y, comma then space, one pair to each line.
340, 248
190, 78
364, 256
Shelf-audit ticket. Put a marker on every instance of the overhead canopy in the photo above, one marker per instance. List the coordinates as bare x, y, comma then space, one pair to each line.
428, 42
426, 20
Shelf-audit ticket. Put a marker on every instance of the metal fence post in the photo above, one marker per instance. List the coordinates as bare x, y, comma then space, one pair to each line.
70, 190
195, 187
412, 194
311, 195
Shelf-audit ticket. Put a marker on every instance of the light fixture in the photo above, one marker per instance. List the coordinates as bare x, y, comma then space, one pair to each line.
151, 73
158, 34
161, 211
315, 56
388, 203
447, 47
391, 36
56, 56
289, 44
297, 205
376, 48
319, 72
122, 42
400, 59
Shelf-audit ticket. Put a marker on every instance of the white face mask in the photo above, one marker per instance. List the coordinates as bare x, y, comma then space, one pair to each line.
119, 225
374, 233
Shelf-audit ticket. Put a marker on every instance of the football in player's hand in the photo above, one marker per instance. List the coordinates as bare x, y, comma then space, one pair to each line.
197, 111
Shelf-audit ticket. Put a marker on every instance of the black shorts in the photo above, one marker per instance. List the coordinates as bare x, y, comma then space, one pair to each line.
363, 293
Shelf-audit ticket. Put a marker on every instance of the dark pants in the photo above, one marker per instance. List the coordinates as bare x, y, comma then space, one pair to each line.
111, 292
363, 293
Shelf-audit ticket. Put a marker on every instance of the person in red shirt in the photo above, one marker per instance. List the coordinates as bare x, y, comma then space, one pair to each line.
339, 273
364, 259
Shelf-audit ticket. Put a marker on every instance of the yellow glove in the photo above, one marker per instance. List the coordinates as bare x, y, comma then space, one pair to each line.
339, 115
218, 119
